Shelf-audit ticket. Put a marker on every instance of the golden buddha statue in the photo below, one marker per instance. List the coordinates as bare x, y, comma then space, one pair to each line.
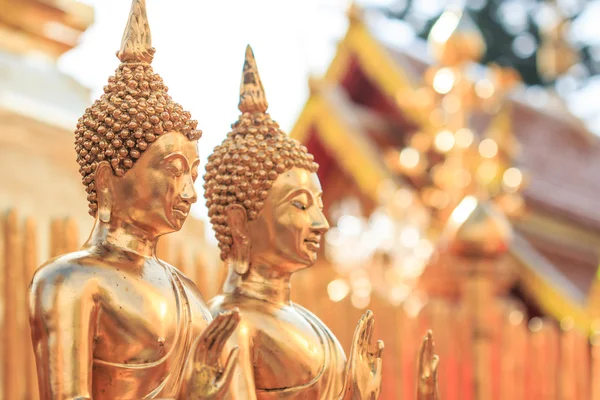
264, 200
112, 321
265, 204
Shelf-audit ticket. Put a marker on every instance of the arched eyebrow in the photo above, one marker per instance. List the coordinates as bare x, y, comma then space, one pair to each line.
181, 157
295, 192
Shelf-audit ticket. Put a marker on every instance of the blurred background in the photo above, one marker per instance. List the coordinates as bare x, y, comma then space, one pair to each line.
458, 149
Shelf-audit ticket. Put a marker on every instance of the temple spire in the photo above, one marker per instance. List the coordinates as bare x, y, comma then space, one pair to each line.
136, 45
252, 93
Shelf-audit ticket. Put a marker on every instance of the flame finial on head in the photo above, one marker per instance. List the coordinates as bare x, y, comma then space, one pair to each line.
252, 93
136, 45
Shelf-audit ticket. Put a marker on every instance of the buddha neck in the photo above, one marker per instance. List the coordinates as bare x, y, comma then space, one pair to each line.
264, 283
124, 237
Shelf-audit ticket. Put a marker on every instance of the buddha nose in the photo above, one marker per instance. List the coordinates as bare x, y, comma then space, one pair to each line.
188, 192
319, 222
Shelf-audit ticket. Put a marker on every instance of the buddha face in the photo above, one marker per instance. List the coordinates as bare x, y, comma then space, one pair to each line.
291, 224
156, 194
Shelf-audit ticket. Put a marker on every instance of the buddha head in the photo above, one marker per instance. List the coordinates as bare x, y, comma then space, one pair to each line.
136, 147
262, 190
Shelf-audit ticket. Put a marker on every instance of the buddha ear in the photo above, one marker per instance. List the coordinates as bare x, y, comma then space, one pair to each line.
237, 219
102, 180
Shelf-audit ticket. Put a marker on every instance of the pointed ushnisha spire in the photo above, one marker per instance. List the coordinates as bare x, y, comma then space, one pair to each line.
136, 45
252, 93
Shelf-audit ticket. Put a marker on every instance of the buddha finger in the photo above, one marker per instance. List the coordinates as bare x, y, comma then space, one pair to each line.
427, 346
430, 349
362, 340
369, 330
379, 359
434, 364
422, 361
220, 330
207, 335
225, 333
358, 332
224, 380
430, 346
380, 347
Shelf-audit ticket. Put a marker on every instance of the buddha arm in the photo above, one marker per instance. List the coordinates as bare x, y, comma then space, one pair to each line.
347, 391
62, 315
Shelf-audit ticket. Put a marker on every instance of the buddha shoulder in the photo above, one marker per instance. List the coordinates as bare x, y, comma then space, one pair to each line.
64, 281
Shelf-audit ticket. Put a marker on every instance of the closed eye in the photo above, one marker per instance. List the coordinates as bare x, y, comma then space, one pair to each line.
174, 170
299, 205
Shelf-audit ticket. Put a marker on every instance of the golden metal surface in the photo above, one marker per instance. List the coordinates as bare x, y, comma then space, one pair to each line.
428, 370
265, 203
111, 321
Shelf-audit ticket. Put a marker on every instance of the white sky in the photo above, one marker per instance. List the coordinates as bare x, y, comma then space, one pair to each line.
200, 48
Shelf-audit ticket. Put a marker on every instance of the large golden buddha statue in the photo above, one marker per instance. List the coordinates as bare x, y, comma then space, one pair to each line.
265, 204
112, 321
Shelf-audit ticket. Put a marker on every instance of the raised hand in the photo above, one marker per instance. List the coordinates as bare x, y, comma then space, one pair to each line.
427, 386
363, 370
205, 377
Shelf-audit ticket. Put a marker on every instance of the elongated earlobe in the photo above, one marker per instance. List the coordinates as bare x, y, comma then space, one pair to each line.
105, 200
239, 256
105, 206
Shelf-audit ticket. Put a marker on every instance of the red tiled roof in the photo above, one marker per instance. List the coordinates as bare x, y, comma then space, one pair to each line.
563, 164
561, 158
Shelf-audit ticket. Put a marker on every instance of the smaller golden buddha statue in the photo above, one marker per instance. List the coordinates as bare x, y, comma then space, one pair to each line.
112, 321
264, 200
265, 204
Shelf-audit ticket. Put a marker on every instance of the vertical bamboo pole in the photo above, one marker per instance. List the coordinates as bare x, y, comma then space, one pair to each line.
582, 361
595, 347
508, 346
30, 261
534, 380
442, 328
3, 268
567, 368
465, 326
57, 238
449, 366
409, 350
552, 346
479, 295
202, 277
514, 355
71, 235
14, 362
521, 336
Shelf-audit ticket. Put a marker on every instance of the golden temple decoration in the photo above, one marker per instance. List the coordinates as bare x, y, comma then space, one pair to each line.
457, 158
455, 39
112, 320
555, 55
